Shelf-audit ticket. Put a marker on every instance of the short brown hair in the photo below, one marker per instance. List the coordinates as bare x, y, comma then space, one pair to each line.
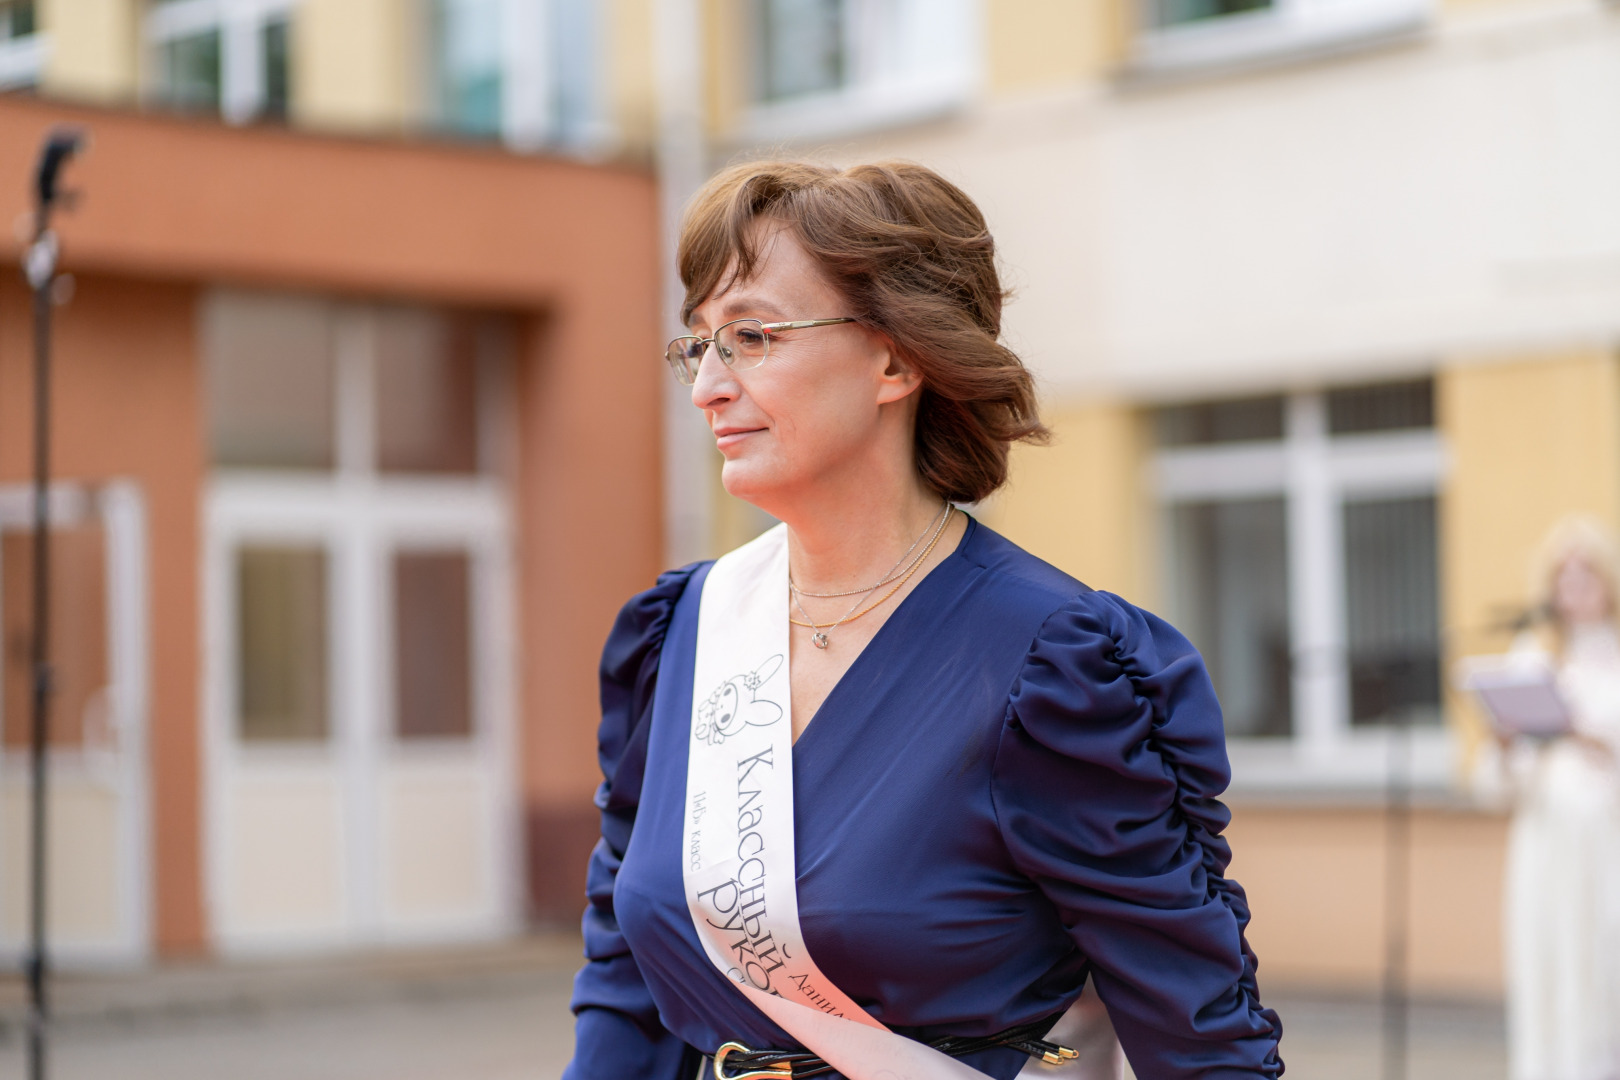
911, 255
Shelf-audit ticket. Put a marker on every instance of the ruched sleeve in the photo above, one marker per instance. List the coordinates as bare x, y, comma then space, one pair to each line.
1106, 785
617, 1031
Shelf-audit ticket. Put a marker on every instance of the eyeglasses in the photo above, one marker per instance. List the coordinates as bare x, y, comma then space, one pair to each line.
742, 344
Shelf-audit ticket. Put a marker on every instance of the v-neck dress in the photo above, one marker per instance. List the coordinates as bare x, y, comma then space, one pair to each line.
1013, 788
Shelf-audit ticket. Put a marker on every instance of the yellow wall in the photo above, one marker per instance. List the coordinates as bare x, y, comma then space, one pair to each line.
94, 49
1080, 502
1532, 439
632, 73
1316, 880
726, 31
355, 64
1044, 44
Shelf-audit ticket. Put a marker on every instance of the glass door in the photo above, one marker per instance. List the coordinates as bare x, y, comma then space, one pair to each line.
362, 785
98, 887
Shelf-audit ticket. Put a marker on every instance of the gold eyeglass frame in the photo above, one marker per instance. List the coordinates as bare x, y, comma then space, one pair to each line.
767, 328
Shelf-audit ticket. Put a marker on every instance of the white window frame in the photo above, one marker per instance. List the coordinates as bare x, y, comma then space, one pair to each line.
23, 59
908, 61
1286, 30
1316, 475
241, 62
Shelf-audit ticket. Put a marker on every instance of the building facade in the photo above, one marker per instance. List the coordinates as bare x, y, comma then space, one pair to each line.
357, 446
1324, 299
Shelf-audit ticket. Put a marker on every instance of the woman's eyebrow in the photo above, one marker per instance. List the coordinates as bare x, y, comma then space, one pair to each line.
740, 305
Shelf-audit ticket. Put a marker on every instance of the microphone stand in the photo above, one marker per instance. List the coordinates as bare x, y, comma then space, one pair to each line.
1397, 898
39, 267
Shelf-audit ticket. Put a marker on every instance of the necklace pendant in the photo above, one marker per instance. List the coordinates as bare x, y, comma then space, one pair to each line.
820, 640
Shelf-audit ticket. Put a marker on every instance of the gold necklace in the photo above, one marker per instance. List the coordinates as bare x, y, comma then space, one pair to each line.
821, 640
894, 571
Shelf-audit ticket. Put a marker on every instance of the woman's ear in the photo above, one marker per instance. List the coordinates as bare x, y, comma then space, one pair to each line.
899, 379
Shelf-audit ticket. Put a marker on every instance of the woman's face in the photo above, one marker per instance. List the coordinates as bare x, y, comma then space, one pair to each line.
822, 405
1580, 593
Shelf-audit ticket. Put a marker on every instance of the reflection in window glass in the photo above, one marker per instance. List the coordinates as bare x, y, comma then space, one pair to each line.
189, 72
270, 380
1384, 407
281, 643
467, 65
274, 44
1207, 422
1393, 610
16, 19
1229, 587
427, 392
78, 630
432, 645
1177, 12
576, 45
801, 47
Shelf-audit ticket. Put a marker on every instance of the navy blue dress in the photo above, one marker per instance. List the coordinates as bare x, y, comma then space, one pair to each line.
1011, 789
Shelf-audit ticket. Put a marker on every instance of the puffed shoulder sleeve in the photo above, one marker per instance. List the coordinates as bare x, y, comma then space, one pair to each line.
1106, 780
617, 1032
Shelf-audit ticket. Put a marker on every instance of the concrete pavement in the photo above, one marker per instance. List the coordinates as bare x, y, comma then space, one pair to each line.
500, 1013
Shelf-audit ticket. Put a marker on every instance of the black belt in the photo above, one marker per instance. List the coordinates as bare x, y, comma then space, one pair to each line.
801, 1064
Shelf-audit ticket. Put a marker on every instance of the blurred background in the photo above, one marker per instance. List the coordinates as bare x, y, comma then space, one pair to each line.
363, 436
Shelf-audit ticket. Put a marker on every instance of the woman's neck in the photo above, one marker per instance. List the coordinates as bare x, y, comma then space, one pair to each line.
851, 541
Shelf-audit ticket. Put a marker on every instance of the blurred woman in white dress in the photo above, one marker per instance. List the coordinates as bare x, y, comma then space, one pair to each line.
1563, 859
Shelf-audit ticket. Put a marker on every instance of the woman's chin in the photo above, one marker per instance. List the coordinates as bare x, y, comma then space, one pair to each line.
747, 481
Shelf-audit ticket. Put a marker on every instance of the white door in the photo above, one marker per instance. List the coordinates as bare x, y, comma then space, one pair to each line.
97, 848
361, 781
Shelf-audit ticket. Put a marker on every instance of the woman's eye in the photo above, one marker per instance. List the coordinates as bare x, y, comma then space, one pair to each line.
750, 338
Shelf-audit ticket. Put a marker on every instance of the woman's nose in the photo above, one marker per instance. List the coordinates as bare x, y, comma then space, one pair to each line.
716, 383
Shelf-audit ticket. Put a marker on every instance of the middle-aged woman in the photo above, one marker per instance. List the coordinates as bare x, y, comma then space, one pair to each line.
882, 790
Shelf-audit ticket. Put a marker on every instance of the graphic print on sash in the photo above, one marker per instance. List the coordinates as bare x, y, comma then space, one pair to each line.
738, 863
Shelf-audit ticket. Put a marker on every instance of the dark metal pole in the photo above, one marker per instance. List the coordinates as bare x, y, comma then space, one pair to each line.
39, 664
40, 267
1397, 898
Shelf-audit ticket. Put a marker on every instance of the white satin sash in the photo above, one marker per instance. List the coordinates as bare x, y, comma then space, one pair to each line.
738, 849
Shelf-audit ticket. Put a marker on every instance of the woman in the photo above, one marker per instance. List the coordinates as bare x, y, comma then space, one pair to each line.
880, 771
1563, 866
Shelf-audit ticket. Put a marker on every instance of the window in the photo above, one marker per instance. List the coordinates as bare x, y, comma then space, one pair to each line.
224, 56
1301, 560
270, 378
432, 644
22, 46
16, 20
277, 365
829, 66
1240, 420
1190, 34
1392, 613
281, 643
801, 48
1230, 594
78, 631
523, 71
427, 376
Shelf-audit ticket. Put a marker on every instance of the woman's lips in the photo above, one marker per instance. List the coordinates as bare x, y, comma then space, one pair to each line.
726, 438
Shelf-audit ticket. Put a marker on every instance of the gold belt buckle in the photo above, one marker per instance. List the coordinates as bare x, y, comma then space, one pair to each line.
779, 1071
